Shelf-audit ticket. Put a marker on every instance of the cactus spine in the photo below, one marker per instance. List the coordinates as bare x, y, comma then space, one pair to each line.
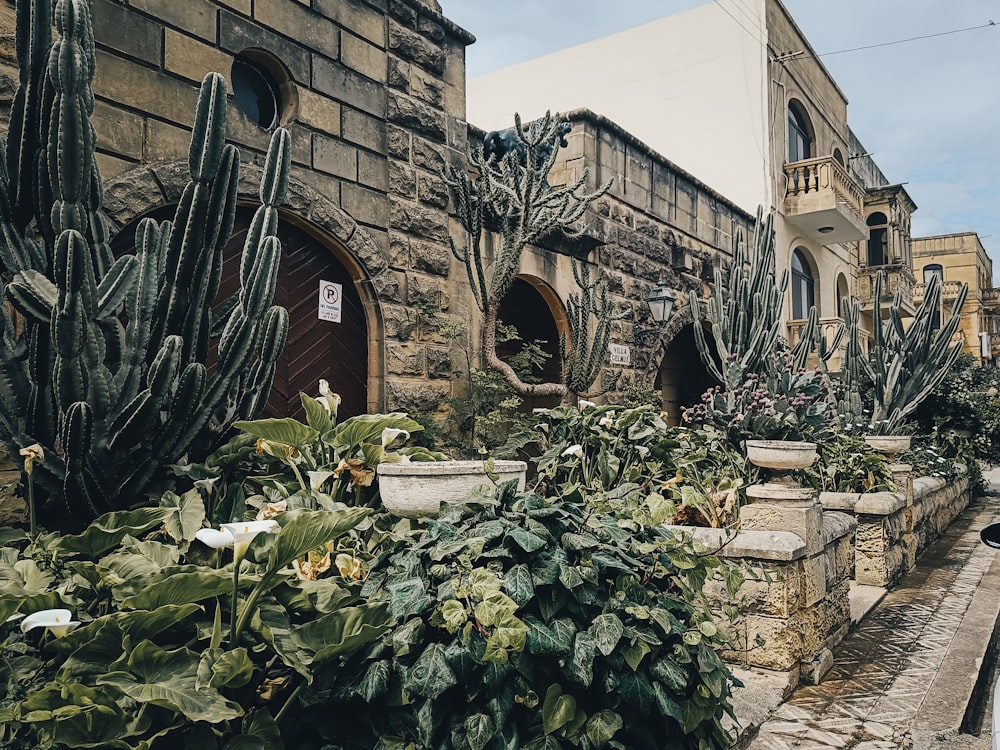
511, 197
108, 370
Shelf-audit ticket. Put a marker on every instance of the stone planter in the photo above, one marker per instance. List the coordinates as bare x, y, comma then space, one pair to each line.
781, 455
888, 445
417, 489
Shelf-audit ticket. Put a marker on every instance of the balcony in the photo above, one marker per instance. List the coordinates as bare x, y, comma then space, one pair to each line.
896, 278
824, 202
949, 290
829, 327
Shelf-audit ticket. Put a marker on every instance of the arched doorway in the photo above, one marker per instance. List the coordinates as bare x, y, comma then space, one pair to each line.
682, 377
334, 351
528, 307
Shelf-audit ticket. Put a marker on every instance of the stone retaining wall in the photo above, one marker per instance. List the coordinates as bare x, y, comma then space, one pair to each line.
895, 527
795, 608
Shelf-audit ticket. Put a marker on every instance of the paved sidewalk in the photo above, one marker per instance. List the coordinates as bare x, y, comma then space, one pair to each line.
902, 665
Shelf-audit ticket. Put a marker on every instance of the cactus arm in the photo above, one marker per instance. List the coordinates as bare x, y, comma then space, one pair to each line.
116, 285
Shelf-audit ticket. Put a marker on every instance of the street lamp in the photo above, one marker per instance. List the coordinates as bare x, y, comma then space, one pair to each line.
660, 300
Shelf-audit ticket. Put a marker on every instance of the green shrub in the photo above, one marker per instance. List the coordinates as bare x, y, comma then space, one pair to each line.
535, 623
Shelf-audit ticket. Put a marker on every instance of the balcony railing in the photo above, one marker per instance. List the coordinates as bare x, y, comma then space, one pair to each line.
896, 278
822, 199
828, 327
949, 290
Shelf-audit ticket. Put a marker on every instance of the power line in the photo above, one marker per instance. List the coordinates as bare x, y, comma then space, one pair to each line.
903, 41
755, 35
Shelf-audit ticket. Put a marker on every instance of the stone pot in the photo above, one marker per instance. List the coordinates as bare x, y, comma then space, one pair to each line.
889, 445
781, 455
417, 489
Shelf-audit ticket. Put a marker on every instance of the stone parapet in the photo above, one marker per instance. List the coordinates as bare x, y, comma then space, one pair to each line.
793, 606
894, 527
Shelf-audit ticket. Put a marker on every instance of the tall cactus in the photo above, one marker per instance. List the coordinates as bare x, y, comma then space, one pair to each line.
904, 363
745, 311
510, 196
106, 364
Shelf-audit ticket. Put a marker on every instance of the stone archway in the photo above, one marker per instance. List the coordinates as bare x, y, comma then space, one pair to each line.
675, 367
132, 194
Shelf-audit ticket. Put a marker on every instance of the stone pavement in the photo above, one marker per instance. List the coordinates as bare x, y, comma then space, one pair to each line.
902, 678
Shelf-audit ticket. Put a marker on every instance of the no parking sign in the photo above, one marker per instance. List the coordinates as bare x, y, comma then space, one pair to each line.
330, 301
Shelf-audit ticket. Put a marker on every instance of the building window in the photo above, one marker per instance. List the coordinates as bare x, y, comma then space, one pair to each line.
931, 270
839, 158
261, 87
799, 133
878, 239
803, 295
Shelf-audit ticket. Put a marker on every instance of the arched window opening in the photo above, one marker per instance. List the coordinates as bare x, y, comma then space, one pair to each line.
931, 270
878, 239
838, 157
800, 139
803, 286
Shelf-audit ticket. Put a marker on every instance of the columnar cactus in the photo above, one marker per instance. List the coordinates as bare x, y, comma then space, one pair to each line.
510, 196
105, 366
745, 311
904, 362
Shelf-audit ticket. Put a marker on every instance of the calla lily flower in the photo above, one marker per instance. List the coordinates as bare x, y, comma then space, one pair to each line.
32, 454
239, 535
59, 622
350, 566
316, 478
329, 399
389, 434
271, 510
574, 450
607, 420
584, 404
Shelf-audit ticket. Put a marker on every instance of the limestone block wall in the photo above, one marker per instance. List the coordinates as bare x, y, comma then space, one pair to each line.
793, 607
894, 528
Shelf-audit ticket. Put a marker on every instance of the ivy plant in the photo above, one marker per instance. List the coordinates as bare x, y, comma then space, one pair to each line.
537, 624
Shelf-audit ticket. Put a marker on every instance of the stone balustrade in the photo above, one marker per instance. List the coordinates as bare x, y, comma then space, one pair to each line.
823, 173
895, 527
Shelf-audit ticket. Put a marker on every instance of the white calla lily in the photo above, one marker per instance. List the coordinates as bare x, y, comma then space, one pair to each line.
389, 434
574, 450
607, 420
59, 622
329, 399
238, 534
316, 478
584, 404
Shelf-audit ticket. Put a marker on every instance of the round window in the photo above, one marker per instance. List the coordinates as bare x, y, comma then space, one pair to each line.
256, 92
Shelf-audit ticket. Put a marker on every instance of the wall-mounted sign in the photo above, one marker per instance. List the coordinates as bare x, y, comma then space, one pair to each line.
331, 301
620, 354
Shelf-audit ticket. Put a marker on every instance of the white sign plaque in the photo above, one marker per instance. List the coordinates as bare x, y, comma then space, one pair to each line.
620, 354
330, 301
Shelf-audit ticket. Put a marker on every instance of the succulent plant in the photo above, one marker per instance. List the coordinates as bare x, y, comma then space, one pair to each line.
104, 359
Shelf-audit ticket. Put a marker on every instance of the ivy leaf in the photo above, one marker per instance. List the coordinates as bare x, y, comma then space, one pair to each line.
430, 675
665, 704
671, 674
636, 691
607, 630
374, 682
556, 640
525, 539
407, 598
634, 652
479, 730
581, 663
518, 584
186, 514
602, 726
558, 709
569, 576
454, 615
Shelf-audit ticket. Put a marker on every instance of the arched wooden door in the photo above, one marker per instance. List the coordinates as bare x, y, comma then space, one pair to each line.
336, 352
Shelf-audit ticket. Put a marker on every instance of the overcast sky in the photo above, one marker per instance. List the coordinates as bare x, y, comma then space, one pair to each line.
928, 110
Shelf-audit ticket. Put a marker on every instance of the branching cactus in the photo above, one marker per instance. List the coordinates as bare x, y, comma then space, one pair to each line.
745, 313
509, 195
104, 361
904, 362
590, 314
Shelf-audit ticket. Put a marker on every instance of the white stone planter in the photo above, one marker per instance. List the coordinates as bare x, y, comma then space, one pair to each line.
417, 489
890, 445
781, 455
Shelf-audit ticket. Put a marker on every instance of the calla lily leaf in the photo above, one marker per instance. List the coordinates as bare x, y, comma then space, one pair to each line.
304, 530
287, 431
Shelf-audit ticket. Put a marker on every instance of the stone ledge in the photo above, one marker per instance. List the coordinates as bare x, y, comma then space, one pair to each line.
782, 546
837, 525
839, 500
880, 503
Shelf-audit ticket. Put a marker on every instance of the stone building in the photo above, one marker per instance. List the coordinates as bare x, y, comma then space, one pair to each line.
734, 93
373, 94
957, 259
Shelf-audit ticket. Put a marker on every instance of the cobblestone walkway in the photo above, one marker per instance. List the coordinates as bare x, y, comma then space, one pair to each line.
884, 669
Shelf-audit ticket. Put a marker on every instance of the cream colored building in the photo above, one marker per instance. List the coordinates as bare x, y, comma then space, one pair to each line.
957, 259
734, 93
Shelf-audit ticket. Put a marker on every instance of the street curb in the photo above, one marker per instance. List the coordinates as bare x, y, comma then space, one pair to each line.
964, 673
